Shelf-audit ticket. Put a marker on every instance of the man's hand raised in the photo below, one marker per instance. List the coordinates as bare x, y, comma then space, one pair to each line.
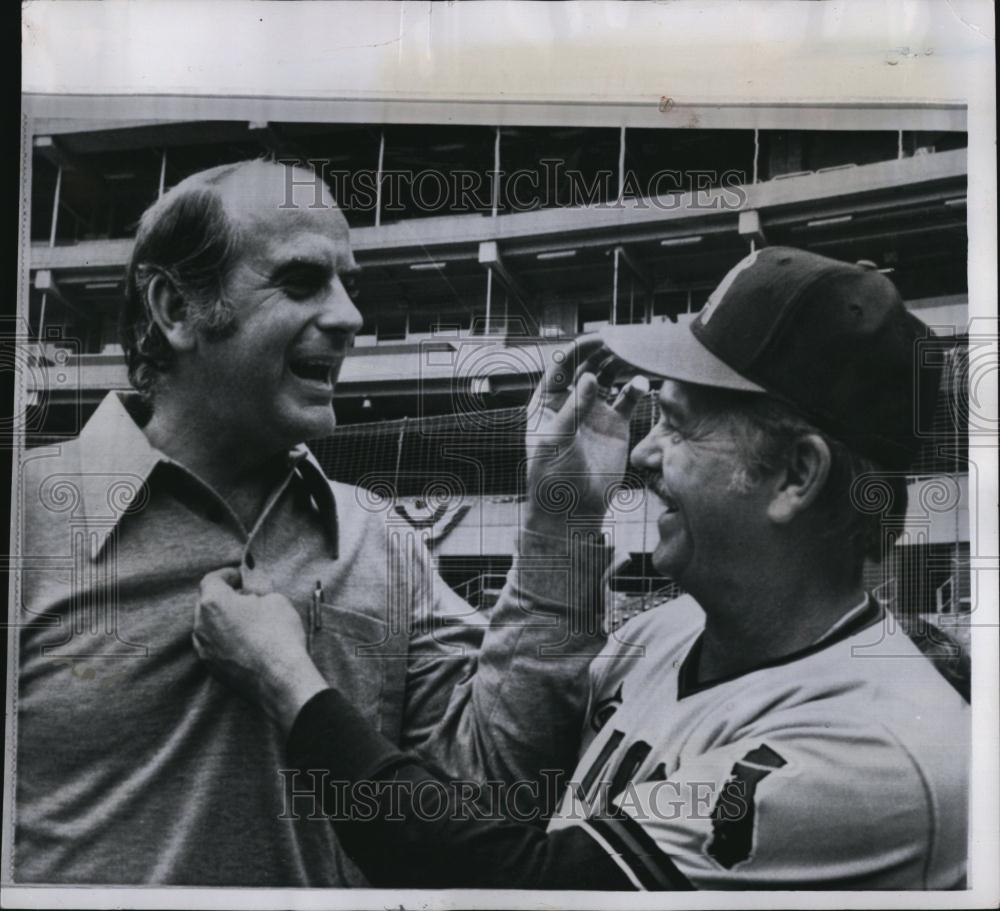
578, 447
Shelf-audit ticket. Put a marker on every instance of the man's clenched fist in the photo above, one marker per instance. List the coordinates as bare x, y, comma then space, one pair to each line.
256, 644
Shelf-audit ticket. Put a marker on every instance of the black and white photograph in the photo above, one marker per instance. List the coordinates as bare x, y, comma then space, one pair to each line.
428, 501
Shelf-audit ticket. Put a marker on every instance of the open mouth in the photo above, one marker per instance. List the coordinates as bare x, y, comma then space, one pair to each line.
314, 370
656, 486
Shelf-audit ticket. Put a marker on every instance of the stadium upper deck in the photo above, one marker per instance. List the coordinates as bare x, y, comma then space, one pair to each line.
480, 244
465, 231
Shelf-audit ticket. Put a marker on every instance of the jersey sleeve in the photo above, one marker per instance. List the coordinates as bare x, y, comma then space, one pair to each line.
827, 809
405, 826
508, 702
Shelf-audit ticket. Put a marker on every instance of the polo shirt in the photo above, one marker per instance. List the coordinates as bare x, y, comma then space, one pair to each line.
134, 765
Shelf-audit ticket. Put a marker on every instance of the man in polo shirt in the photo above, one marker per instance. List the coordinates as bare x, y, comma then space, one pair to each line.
133, 764
769, 729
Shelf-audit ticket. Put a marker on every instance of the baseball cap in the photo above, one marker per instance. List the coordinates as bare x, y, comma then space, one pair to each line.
833, 340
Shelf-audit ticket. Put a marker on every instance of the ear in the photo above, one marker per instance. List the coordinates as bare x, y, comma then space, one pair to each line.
171, 313
803, 479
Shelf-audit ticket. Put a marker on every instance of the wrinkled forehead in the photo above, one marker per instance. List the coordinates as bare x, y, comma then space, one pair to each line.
275, 201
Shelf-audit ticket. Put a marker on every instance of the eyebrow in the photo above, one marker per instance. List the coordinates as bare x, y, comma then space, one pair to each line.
319, 264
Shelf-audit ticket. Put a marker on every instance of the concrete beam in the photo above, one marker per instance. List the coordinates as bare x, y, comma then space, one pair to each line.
272, 139
636, 266
45, 282
750, 227
50, 150
896, 183
85, 136
489, 255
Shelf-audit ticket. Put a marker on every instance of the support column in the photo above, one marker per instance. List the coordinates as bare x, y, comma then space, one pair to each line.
52, 243
55, 207
378, 179
488, 328
496, 175
621, 165
163, 173
614, 290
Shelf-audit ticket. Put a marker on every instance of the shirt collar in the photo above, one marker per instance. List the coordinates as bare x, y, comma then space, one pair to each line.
112, 444
113, 437
116, 461
311, 472
846, 618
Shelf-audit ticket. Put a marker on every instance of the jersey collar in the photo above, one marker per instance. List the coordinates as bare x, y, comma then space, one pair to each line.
854, 621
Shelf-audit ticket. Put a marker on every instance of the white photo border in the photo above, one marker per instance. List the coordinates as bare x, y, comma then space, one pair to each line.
842, 64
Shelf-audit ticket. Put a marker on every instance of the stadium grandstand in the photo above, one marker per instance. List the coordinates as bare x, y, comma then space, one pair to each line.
480, 246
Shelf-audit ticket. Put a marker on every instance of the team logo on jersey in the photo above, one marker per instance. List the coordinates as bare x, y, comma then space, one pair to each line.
605, 709
733, 814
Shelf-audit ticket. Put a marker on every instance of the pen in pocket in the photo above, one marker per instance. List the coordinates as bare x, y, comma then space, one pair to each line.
315, 620
317, 601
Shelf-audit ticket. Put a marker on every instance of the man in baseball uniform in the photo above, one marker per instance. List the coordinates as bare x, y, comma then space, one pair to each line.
773, 728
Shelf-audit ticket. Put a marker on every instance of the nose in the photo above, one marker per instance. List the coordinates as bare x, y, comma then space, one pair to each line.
646, 454
339, 313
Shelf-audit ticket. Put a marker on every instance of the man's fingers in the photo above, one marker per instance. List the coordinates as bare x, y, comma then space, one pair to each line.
220, 582
569, 363
592, 363
200, 649
231, 576
577, 406
227, 575
607, 370
631, 395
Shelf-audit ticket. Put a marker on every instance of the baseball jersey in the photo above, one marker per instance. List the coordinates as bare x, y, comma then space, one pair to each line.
842, 766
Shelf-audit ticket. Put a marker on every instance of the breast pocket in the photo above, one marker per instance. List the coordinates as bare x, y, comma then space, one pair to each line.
360, 656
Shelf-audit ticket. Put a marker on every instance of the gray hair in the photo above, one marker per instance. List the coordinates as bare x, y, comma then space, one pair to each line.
766, 428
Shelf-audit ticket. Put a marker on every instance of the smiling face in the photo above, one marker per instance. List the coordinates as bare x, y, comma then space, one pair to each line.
269, 383
708, 525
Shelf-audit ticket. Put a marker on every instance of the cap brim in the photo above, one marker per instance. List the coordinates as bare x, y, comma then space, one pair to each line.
670, 350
